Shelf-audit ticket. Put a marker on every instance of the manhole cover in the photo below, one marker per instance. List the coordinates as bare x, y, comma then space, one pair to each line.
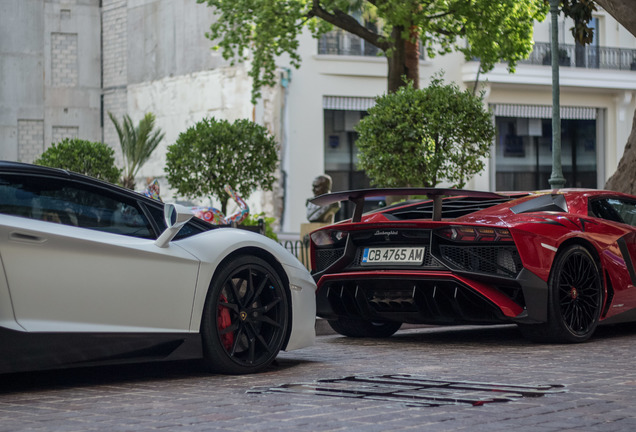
413, 390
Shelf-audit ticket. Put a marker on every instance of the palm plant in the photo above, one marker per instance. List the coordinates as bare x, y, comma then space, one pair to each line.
137, 144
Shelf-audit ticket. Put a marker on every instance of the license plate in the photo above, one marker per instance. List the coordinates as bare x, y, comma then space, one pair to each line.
393, 255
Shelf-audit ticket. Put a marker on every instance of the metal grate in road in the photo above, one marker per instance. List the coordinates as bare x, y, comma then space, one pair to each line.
415, 391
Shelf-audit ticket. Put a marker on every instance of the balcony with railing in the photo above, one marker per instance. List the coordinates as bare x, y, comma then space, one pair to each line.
591, 57
339, 42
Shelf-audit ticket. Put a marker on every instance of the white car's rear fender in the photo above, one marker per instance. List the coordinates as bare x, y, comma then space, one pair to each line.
215, 246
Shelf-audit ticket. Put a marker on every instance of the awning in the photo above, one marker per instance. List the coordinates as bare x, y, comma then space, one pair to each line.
347, 103
543, 111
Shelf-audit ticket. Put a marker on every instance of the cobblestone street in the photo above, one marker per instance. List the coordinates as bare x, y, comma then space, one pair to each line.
598, 393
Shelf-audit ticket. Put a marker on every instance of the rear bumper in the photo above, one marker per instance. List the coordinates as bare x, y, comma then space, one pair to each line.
431, 297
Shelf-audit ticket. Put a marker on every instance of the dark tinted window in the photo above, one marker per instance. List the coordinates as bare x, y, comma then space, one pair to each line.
614, 209
72, 203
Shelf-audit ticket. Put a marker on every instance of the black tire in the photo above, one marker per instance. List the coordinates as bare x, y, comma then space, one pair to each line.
361, 328
575, 299
246, 317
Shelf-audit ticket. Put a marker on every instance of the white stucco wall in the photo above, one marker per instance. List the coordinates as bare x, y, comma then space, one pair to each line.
181, 101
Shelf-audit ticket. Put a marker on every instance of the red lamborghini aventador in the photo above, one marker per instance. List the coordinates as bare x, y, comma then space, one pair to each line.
557, 263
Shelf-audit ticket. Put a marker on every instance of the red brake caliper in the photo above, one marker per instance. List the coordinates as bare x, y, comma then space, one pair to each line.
224, 321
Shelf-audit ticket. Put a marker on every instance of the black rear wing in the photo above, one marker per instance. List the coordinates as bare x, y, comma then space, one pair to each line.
436, 194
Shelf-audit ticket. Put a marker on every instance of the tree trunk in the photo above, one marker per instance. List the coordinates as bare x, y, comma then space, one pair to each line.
624, 180
224, 201
396, 59
623, 11
128, 182
404, 62
412, 58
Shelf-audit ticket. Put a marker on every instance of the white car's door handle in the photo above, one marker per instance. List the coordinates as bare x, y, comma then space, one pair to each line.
26, 238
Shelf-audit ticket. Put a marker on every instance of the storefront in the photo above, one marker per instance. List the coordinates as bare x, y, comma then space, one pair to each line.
523, 147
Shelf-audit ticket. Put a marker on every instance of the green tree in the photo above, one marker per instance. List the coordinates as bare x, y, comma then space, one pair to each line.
581, 12
137, 144
493, 31
422, 137
215, 153
85, 157
255, 220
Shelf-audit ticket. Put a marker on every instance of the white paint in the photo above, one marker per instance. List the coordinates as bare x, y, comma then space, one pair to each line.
548, 247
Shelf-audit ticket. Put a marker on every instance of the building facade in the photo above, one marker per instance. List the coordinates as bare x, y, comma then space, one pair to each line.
67, 63
50, 69
340, 77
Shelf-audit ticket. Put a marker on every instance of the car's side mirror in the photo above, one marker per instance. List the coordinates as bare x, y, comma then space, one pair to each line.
176, 217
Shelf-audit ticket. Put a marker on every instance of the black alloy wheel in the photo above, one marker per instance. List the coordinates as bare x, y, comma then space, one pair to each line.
576, 294
575, 299
246, 317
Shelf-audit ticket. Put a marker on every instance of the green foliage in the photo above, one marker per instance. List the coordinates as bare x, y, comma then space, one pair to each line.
423, 137
85, 157
271, 27
505, 35
253, 220
581, 12
214, 153
495, 30
137, 144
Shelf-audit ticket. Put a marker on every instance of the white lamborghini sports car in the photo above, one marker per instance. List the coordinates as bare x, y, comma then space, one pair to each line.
96, 274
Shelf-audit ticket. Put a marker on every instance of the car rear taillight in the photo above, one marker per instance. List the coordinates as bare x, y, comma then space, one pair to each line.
328, 237
466, 233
